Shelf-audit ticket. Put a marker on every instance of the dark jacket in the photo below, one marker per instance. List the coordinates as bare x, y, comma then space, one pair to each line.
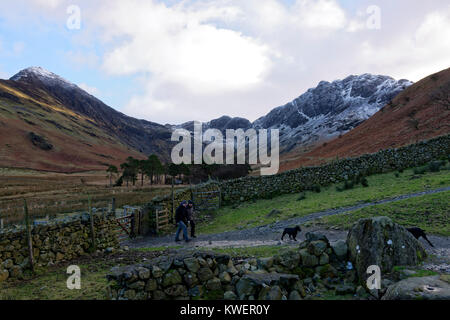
181, 214
190, 213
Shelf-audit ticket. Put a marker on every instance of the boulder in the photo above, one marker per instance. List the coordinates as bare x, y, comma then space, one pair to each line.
379, 241
340, 249
315, 236
229, 295
289, 259
192, 264
205, 274
317, 247
307, 259
171, 278
419, 288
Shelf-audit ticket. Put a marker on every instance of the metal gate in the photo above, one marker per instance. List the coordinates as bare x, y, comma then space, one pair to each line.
207, 200
127, 223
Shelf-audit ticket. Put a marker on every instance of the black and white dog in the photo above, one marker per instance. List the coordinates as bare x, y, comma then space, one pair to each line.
417, 233
292, 232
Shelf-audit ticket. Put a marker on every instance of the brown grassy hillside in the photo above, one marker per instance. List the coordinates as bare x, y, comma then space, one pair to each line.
72, 142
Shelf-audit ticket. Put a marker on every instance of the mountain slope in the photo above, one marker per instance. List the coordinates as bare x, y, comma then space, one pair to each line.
145, 136
420, 112
330, 109
48, 123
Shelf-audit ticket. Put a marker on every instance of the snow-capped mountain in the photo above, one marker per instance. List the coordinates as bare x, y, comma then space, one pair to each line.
330, 109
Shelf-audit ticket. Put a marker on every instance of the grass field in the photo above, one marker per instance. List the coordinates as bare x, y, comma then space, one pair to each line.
54, 193
429, 212
381, 186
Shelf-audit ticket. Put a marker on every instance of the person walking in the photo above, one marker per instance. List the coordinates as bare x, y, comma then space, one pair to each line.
181, 221
190, 216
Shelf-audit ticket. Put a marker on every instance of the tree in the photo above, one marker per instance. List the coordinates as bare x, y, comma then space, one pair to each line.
111, 171
154, 166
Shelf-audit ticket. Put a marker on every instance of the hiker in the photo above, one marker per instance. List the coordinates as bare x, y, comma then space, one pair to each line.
190, 217
181, 221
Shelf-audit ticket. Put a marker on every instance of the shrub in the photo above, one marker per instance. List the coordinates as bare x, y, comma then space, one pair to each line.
316, 188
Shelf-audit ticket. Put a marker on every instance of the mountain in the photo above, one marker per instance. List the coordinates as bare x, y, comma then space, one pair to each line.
420, 112
48, 123
330, 109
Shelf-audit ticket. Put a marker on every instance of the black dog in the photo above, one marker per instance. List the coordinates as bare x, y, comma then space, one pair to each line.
417, 233
292, 232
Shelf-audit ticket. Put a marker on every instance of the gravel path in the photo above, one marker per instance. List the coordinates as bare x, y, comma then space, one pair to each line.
270, 234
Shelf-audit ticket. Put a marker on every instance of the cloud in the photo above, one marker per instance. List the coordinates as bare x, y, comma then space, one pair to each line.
415, 57
178, 45
91, 90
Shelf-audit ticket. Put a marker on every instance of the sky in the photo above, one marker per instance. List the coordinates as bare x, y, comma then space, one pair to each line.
175, 61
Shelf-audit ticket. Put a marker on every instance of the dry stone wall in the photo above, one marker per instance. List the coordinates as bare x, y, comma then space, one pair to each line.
54, 243
298, 180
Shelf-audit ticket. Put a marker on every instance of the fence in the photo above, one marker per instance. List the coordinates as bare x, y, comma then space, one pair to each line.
162, 220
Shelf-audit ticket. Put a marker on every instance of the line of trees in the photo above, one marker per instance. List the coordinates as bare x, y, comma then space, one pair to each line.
133, 170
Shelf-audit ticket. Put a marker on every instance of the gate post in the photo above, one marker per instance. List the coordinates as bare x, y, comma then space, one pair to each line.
132, 225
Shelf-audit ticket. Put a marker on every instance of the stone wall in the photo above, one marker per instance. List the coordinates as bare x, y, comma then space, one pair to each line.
54, 242
293, 274
298, 180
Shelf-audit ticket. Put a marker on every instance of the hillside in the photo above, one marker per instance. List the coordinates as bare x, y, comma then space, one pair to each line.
420, 112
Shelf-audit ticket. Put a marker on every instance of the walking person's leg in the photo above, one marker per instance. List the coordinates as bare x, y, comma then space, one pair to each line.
185, 233
178, 232
192, 223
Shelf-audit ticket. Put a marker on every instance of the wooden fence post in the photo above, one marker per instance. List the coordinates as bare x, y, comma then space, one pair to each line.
132, 224
30, 240
113, 205
91, 215
1, 224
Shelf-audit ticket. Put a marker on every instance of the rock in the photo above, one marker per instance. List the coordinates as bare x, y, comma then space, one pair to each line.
157, 272
138, 285
270, 293
190, 279
294, 295
159, 295
229, 295
192, 264
245, 287
15, 272
129, 294
345, 289
324, 259
307, 259
315, 236
143, 273
361, 291
340, 249
4, 274
151, 285
317, 247
204, 274
171, 278
265, 263
176, 291
214, 284
419, 288
289, 259
7, 264
379, 241
225, 277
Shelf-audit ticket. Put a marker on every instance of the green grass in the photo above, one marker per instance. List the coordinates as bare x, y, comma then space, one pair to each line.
418, 272
52, 286
429, 212
256, 252
381, 186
